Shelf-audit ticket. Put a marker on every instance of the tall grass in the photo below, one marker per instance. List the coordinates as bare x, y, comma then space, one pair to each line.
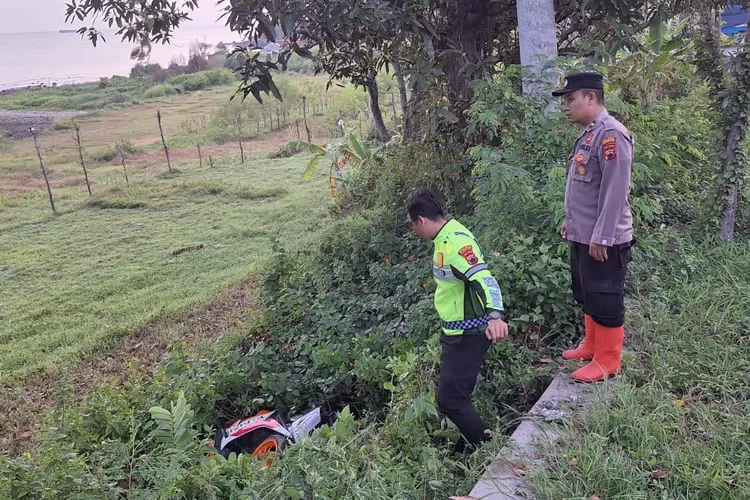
679, 427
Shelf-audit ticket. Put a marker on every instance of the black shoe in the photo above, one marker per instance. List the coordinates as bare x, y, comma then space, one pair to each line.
463, 447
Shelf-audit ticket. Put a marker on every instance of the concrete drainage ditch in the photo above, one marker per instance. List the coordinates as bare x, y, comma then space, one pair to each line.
505, 478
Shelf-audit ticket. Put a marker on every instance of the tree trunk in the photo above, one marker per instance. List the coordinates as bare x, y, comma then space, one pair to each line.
730, 213
538, 39
709, 56
412, 122
377, 116
401, 86
733, 174
393, 105
468, 38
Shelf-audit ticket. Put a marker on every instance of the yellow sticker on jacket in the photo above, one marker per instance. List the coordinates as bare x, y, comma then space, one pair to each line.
581, 170
440, 259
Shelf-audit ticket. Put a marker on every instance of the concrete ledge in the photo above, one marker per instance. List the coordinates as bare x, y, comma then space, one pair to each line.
505, 478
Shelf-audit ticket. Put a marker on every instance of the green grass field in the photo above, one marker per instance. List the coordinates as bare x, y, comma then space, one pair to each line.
105, 266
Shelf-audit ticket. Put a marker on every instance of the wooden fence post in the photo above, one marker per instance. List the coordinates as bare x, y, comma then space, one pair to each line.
44, 170
304, 114
164, 142
122, 161
80, 155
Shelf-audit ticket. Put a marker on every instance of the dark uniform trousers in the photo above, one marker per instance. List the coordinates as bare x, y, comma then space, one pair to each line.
599, 286
460, 363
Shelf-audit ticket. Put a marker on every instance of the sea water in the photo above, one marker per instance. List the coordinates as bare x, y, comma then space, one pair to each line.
47, 58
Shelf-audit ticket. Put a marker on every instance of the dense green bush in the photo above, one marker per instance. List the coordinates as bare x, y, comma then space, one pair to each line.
104, 155
202, 80
160, 91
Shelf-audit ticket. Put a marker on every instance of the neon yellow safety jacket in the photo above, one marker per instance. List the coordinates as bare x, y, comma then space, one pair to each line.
466, 291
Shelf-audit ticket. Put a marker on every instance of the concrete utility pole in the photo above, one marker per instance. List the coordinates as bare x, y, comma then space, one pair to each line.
538, 39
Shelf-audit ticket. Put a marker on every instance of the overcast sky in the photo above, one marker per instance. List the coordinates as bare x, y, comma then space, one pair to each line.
18, 16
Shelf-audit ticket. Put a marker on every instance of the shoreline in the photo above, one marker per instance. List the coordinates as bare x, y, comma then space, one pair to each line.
68, 81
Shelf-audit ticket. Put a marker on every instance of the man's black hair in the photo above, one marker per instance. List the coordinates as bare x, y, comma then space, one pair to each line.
424, 203
599, 93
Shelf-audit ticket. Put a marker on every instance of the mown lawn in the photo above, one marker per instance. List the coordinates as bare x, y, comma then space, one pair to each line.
106, 266
679, 427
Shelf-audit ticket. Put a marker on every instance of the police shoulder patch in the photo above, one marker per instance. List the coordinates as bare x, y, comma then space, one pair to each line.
609, 147
467, 253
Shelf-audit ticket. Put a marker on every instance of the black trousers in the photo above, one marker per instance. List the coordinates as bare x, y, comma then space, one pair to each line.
599, 286
460, 362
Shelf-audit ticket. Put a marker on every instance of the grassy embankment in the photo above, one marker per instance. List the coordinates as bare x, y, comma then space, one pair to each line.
678, 426
104, 266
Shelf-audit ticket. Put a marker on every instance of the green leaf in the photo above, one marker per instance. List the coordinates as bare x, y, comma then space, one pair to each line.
656, 32
356, 147
294, 494
448, 115
290, 21
435, 485
312, 166
423, 407
309, 146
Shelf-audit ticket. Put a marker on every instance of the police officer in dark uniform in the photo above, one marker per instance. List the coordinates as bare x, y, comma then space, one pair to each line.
598, 223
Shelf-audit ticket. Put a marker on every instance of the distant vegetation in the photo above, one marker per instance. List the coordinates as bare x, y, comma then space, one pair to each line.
115, 92
201, 71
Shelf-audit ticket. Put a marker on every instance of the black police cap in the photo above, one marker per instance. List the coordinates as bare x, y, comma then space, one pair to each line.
578, 81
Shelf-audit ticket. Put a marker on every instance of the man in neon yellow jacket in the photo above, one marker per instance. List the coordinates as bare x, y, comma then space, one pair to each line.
470, 305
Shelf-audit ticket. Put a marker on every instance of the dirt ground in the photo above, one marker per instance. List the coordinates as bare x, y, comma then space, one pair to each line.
16, 124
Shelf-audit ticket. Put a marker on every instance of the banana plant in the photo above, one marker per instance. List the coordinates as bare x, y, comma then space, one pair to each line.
656, 61
344, 154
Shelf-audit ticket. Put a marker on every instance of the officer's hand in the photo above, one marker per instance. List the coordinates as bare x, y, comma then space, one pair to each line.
497, 330
598, 252
564, 231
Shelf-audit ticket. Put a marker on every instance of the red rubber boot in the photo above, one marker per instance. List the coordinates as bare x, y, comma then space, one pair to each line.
606, 360
586, 350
